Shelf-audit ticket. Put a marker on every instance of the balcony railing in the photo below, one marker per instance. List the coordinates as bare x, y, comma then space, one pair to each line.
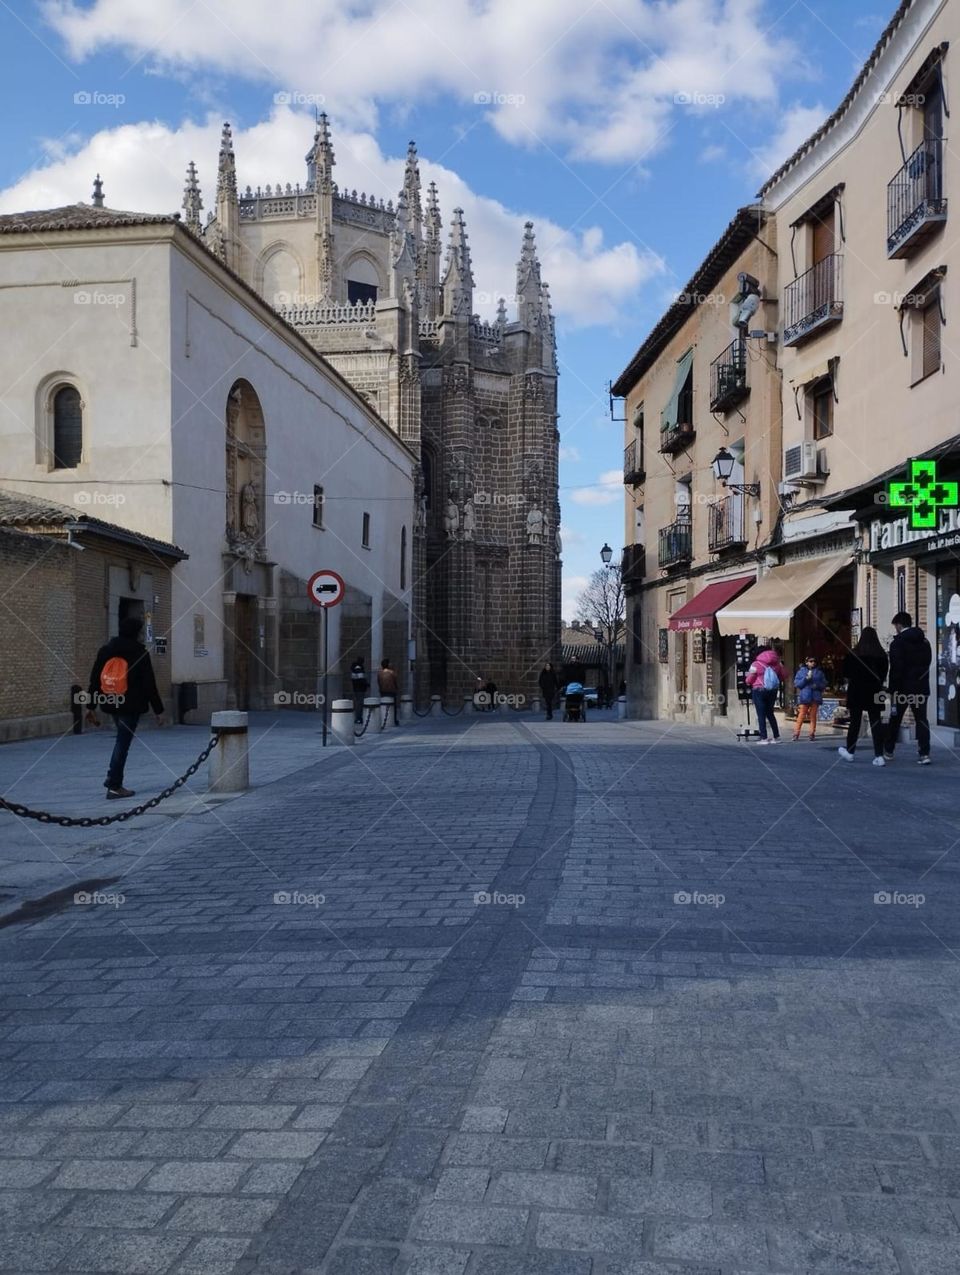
633, 463
813, 300
915, 202
677, 437
728, 377
676, 543
725, 527
633, 567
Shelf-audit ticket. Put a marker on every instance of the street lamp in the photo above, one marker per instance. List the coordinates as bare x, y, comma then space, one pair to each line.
606, 553
606, 557
723, 464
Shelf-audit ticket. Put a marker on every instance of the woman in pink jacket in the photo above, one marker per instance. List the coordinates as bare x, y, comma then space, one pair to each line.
765, 676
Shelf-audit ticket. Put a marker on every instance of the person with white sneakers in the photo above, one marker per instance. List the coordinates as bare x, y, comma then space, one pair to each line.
865, 668
765, 676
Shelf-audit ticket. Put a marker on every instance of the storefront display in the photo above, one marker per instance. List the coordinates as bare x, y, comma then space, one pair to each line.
948, 644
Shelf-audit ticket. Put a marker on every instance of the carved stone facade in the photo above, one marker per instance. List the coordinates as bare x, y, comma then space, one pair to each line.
362, 280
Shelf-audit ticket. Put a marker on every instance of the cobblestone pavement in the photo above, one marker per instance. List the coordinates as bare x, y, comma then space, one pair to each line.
680, 1033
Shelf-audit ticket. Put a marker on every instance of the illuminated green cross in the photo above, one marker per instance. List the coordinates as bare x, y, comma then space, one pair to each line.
924, 495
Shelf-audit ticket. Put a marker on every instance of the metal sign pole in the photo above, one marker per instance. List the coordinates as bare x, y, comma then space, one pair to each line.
326, 620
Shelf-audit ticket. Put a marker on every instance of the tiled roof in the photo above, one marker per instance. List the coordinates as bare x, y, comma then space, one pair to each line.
78, 217
864, 72
32, 513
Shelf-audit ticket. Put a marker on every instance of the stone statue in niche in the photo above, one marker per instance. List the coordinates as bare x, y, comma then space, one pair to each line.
559, 545
422, 513
469, 520
451, 520
534, 527
249, 511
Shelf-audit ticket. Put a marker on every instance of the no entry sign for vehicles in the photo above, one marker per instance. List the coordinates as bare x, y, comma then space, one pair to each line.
326, 588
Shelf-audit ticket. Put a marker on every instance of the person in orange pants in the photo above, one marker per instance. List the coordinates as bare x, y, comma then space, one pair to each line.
810, 682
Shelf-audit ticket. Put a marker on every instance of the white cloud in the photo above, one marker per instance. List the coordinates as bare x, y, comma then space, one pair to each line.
569, 453
571, 538
597, 81
797, 123
142, 165
607, 490
571, 589
713, 154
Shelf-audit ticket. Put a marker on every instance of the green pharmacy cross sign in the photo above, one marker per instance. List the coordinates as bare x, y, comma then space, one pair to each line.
924, 495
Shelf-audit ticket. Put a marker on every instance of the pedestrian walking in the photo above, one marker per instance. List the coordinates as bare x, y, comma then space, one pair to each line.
123, 686
865, 668
765, 676
549, 684
388, 684
491, 689
810, 682
910, 659
359, 685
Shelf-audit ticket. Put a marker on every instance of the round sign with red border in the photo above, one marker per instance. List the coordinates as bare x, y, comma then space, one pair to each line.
326, 588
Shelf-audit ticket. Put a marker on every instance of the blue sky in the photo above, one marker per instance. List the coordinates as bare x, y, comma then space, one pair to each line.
628, 130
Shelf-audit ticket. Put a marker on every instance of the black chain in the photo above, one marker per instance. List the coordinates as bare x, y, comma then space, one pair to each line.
359, 734
426, 712
87, 821
454, 712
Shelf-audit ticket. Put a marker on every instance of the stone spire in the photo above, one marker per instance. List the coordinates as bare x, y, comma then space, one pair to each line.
226, 167
433, 222
501, 315
403, 249
97, 192
458, 272
320, 158
192, 202
529, 286
411, 188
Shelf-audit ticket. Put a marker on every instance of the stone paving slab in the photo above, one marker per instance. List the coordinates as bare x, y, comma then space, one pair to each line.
478, 1033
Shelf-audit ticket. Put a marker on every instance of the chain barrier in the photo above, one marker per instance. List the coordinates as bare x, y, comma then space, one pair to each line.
455, 712
359, 734
102, 821
426, 712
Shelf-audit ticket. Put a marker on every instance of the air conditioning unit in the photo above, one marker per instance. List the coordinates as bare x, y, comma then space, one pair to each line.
801, 462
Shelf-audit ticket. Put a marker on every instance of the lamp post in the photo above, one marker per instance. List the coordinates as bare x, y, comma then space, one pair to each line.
723, 464
606, 557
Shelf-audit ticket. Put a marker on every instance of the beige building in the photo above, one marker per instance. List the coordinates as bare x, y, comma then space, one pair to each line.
869, 368
703, 385
859, 300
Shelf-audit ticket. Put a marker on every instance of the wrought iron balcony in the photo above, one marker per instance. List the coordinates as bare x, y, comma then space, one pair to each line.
814, 300
915, 203
728, 377
633, 472
633, 567
677, 437
726, 523
676, 543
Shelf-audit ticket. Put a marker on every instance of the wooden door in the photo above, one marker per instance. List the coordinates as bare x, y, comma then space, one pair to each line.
244, 647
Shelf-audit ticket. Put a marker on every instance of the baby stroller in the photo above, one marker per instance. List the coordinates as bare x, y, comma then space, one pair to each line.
574, 708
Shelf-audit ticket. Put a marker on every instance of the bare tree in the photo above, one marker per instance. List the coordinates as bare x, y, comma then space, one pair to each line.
602, 606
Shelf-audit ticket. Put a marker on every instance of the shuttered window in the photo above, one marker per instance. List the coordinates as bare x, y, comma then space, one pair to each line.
822, 404
930, 328
823, 238
67, 428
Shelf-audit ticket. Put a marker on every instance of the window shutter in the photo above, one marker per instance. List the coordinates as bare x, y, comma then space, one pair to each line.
67, 428
931, 338
823, 242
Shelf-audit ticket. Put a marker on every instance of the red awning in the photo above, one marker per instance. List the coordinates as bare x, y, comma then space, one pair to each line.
698, 613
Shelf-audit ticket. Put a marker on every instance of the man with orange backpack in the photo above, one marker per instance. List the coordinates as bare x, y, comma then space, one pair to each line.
122, 684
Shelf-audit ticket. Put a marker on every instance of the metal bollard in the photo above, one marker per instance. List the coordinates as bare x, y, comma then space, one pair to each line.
386, 711
621, 708
468, 704
436, 706
372, 702
535, 705
228, 769
406, 709
341, 721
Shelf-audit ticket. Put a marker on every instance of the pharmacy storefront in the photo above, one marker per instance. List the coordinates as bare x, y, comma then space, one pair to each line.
906, 568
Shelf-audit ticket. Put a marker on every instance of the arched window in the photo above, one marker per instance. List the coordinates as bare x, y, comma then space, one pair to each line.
362, 281
403, 557
67, 427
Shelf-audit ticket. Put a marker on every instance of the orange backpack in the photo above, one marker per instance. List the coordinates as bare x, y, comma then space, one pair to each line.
113, 676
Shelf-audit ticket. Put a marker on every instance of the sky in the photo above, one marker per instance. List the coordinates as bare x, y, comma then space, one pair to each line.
628, 131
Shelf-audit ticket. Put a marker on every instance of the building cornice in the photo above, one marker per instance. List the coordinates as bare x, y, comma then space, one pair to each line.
899, 39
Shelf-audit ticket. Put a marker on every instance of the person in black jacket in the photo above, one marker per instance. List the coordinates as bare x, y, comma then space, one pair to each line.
910, 660
359, 685
865, 668
549, 685
126, 708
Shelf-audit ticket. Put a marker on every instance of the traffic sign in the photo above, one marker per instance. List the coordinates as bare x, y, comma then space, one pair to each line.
326, 588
